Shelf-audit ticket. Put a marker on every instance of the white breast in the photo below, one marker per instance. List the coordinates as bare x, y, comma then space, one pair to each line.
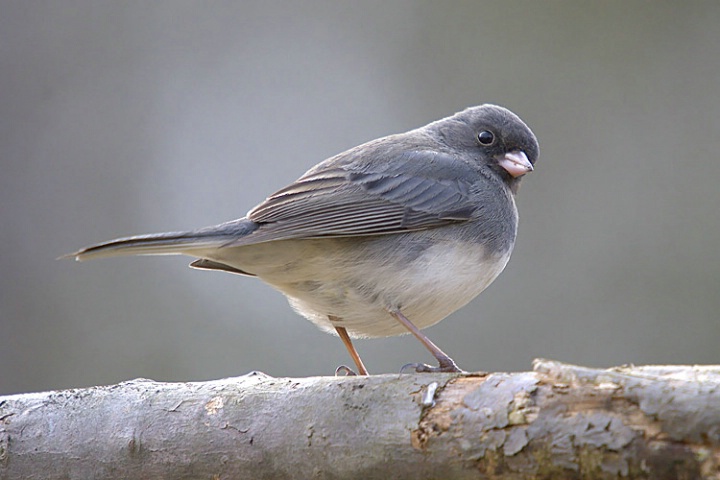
441, 280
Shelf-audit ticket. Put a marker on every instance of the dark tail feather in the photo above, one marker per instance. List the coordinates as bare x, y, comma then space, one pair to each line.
205, 264
170, 243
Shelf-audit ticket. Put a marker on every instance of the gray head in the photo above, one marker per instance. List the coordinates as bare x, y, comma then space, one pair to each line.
492, 135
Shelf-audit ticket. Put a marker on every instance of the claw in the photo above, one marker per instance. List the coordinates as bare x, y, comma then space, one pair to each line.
446, 363
424, 368
346, 370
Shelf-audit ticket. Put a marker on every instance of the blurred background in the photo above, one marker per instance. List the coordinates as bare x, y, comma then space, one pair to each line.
121, 118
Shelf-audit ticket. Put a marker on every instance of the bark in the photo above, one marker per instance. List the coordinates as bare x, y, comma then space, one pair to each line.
559, 421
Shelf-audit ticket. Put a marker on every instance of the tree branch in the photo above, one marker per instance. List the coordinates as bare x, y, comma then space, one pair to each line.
559, 421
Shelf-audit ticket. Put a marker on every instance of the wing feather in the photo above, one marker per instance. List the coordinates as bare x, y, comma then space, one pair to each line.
350, 201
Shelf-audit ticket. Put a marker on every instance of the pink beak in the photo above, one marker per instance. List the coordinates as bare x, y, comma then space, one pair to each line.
516, 163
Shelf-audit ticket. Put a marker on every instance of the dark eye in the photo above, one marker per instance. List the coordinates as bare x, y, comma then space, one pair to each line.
486, 138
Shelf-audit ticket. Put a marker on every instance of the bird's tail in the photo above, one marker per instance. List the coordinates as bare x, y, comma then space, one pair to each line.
170, 243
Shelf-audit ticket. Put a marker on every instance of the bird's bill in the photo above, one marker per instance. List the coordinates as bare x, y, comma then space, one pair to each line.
516, 163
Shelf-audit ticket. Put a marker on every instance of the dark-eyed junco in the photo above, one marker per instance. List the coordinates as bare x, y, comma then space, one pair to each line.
386, 238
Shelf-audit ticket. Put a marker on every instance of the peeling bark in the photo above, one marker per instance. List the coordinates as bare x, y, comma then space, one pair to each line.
559, 421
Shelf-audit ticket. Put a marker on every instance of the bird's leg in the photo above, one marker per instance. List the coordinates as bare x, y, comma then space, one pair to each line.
446, 364
351, 350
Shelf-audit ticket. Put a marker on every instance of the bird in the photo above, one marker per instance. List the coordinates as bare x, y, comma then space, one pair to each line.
384, 239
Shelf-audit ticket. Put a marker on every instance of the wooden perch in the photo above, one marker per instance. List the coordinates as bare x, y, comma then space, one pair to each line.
559, 421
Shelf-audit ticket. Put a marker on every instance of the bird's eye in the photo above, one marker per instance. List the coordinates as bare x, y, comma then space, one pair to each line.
486, 138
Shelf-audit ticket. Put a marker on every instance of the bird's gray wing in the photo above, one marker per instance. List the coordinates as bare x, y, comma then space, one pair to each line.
415, 190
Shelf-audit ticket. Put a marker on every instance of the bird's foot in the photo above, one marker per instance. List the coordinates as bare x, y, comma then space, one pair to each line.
346, 370
424, 368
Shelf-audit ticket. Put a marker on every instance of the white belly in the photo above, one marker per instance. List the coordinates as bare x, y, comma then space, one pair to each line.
323, 278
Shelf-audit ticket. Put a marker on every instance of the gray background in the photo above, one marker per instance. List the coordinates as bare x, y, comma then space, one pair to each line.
120, 118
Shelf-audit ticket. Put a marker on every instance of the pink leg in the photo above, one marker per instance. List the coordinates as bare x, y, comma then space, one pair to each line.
446, 363
351, 350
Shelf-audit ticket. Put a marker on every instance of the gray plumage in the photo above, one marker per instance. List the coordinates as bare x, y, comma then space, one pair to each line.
419, 222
